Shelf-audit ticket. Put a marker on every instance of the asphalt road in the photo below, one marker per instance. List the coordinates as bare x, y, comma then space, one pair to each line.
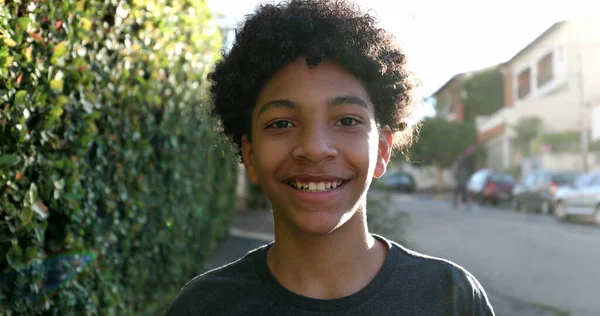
528, 264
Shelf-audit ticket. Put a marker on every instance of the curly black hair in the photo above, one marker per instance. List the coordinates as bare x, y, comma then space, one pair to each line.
276, 35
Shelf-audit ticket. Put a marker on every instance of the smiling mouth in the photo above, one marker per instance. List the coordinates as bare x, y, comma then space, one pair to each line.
322, 186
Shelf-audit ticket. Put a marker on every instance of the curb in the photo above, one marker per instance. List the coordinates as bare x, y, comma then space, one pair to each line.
236, 232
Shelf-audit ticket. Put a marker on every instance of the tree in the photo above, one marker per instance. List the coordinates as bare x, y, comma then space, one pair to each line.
527, 128
484, 93
440, 142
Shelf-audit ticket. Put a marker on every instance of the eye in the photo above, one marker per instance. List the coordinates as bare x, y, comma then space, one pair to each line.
347, 121
280, 124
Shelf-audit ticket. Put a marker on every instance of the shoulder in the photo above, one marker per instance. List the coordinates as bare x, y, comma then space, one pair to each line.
453, 282
216, 287
438, 267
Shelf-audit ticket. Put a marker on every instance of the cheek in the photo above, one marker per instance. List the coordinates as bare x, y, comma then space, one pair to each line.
268, 158
372, 152
362, 148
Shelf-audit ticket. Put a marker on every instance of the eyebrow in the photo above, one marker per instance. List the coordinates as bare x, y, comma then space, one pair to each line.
347, 99
337, 101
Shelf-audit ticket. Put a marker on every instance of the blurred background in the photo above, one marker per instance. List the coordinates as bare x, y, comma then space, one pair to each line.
115, 189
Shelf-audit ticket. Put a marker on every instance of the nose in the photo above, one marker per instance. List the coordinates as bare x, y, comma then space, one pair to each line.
315, 143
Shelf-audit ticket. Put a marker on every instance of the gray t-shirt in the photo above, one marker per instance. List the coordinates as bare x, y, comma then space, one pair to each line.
409, 283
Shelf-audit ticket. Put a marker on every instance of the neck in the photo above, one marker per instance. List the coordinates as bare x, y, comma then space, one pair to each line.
330, 266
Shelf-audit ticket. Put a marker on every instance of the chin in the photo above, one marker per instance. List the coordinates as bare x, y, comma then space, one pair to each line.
320, 223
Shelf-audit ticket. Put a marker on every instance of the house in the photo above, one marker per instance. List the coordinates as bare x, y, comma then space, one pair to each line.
449, 97
449, 105
596, 123
551, 78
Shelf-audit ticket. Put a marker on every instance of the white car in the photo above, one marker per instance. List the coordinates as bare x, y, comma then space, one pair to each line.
581, 199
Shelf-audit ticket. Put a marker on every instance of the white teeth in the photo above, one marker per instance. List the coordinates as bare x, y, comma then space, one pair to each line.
315, 186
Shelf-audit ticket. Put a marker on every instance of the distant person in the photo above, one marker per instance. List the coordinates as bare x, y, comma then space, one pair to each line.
464, 169
315, 96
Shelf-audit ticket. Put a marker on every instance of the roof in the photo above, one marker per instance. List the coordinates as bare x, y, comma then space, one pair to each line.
466, 74
523, 50
455, 77
548, 31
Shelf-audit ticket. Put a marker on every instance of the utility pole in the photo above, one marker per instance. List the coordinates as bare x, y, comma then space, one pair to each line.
585, 142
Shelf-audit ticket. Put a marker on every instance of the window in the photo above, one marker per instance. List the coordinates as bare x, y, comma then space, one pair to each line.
501, 178
584, 180
529, 180
596, 180
564, 178
541, 179
545, 70
478, 179
524, 80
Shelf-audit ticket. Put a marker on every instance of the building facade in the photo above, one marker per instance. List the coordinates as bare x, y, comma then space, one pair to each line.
555, 79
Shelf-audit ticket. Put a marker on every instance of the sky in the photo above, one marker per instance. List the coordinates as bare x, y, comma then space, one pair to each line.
442, 38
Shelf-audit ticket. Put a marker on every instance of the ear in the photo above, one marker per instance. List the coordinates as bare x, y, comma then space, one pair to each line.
249, 160
386, 141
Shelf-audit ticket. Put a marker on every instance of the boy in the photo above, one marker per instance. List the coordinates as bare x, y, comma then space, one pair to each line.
315, 97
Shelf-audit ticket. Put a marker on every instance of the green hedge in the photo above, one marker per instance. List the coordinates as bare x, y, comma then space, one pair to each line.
562, 142
595, 146
114, 187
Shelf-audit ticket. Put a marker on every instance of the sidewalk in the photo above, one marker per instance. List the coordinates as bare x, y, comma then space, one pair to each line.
250, 229
255, 224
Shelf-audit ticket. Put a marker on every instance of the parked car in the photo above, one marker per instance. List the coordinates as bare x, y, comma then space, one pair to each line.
582, 198
536, 191
397, 181
487, 185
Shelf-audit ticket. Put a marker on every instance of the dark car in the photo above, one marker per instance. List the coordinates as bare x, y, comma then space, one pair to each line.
487, 185
397, 181
536, 191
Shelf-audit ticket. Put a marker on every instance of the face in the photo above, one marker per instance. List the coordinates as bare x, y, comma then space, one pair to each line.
315, 146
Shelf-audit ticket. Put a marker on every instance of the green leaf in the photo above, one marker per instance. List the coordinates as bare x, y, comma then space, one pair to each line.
20, 97
14, 256
41, 98
10, 42
61, 100
39, 231
3, 51
9, 160
31, 253
59, 164
59, 50
56, 112
85, 24
85, 140
31, 195
23, 22
26, 215
57, 85
95, 115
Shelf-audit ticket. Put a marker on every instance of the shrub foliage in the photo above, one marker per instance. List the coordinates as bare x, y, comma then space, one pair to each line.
113, 184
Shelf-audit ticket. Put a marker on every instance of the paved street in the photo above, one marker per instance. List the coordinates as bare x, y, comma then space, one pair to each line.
520, 259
